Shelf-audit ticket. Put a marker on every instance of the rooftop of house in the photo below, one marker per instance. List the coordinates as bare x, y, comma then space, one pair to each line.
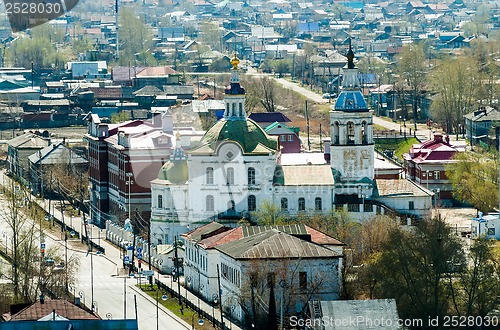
269, 117
42, 308
484, 114
56, 154
438, 149
401, 187
274, 244
28, 140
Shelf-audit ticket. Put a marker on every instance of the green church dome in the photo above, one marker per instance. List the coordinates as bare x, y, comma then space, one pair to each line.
246, 132
175, 171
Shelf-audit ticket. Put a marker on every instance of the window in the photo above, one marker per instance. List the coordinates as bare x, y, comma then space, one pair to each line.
303, 280
339, 207
290, 137
160, 201
353, 207
350, 132
284, 204
210, 175
230, 175
318, 204
436, 175
251, 175
241, 109
252, 203
378, 210
210, 203
368, 208
302, 204
411, 205
491, 232
283, 138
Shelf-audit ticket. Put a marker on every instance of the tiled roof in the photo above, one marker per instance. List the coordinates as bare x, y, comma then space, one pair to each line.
274, 244
63, 308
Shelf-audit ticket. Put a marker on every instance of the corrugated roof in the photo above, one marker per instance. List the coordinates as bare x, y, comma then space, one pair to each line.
274, 244
364, 311
56, 154
28, 140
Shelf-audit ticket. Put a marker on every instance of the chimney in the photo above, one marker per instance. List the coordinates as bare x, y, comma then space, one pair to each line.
167, 122
157, 121
42, 299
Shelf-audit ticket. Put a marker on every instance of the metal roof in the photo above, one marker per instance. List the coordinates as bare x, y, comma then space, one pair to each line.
274, 244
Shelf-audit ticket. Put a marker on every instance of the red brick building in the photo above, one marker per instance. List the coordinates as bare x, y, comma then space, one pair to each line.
132, 153
426, 162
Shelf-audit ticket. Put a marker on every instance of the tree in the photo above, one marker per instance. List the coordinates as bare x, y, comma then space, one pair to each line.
135, 38
456, 83
479, 282
413, 268
474, 178
268, 93
411, 68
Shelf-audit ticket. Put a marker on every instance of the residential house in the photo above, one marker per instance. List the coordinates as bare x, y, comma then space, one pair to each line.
288, 137
479, 124
426, 163
56, 314
19, 149
250, 260
51, 160
486, 226
264, 119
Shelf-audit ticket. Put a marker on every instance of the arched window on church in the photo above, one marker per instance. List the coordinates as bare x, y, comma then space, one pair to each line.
364, 136
336, 135
241, 109
227, 109
233, 110
350, 133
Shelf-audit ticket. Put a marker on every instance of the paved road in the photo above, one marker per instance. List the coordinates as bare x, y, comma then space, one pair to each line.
109, 281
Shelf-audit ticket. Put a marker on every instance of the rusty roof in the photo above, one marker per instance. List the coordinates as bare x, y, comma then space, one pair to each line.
63, 308
274, 244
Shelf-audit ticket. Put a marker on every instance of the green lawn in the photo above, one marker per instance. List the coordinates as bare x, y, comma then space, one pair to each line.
172, 304
399, 146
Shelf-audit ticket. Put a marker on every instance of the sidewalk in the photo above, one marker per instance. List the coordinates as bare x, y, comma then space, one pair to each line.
113, 254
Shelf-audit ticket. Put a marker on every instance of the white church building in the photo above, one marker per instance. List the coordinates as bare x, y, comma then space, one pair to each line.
236, 167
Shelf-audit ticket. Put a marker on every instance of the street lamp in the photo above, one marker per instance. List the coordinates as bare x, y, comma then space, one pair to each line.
400, 130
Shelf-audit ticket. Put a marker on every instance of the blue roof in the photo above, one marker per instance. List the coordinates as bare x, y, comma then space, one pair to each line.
354, 4
351, 101
269, 117
308, 27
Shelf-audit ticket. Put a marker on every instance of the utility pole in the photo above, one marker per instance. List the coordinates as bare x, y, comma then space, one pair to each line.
220, 297
308, 128
177, 271
117, 40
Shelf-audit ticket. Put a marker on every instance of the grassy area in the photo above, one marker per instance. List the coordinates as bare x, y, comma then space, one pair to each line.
172, 304
399, 146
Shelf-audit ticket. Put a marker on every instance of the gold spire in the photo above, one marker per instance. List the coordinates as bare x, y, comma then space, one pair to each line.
234, 62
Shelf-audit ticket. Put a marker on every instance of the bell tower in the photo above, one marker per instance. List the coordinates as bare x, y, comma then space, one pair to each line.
351, 131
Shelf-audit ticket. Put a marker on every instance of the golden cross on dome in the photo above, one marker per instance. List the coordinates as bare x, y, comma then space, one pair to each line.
234, 62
